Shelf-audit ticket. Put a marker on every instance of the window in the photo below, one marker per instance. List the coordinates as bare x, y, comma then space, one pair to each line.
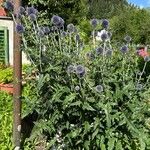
4, 47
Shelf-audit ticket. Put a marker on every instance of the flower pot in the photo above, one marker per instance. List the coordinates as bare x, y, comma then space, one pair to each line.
7, 88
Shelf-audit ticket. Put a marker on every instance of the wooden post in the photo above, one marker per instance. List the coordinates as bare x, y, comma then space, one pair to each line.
17, 68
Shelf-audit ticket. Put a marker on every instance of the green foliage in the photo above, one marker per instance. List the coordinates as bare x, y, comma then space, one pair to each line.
76, 9
6, 75
114, 117
6, 121
133, 22
105, 9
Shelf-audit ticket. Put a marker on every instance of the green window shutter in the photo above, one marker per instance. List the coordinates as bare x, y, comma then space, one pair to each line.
4, 47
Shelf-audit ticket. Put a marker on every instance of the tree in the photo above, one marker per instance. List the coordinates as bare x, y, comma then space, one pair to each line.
105, 8
134, 22
70, 10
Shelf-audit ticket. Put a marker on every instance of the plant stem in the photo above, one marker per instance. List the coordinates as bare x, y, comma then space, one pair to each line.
142, 73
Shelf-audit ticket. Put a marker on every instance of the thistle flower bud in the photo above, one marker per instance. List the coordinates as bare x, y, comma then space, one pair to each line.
40, 33
127, 39
70, 69
20, 28
105, 23
80, 70
70, 28
31, 10
99, 51
109, 52
21, 10
139, 87
94, 22
90, 56
104, 36
77, 88
46, 30
32, 17
77, 37
9, 5
147, 58
58, 21
99, 88
124, 49
63, 34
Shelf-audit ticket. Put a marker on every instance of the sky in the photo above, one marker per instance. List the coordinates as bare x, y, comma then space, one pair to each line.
140, 3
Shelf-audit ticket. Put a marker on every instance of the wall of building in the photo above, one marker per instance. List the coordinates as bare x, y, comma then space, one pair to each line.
6, 22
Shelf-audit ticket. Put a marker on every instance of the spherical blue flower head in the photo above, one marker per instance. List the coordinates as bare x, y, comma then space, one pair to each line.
31, 10
55, 20
94, 22
40, 33
139, 87
99, 50
147, 58
20, 28
105, 23
99, 88
77, 88
80, 70
127, 38
61, 22
63, 34
46, 30
70, 28
70, 69
77, 37
104, 36
109, 53
124, 49
90, 56
21, 10
32, 17
9, 5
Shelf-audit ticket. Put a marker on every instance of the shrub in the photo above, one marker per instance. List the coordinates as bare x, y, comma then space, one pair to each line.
6, 121
6, 75
97, 101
